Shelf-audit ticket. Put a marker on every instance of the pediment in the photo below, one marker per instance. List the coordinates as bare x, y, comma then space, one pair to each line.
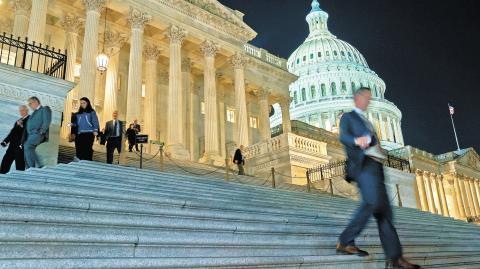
222, 15
470, 159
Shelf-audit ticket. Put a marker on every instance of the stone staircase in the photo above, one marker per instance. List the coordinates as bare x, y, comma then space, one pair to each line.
98, 216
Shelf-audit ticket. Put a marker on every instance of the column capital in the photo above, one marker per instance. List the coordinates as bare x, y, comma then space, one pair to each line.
238, 60
419, 172
21, 6
94, 5
114, 41
209, 48
186, 65
263, 93
285, 101
151, 52
176, 34
72, 23
138, 18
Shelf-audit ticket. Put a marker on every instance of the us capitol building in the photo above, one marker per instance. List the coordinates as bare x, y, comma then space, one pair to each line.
186, 71
329, 71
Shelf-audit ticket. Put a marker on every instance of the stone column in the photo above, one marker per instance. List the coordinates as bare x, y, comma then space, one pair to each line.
285, 106
71, 24
264, 120
476, 184
390, 129
221, 119
137, 20
212, 149
38, 21
428, 187
90, 49
383, 133
194, 114
474, 197
20, 21
466, 182
459, 195
150, 106
436, 194
187, 104
114, 41
399, 132
466, 202
176, 106
421, 190
443, 197
239, 61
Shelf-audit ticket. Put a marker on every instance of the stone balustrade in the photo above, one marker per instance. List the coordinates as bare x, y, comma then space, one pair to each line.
265, 56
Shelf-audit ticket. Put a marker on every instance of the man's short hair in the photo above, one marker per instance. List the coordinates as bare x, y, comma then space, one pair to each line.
34, 98
362, 90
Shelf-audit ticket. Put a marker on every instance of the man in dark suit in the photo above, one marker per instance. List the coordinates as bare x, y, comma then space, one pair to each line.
114, 130
37, 129
359, 138
239, 160
14, 142
138, 129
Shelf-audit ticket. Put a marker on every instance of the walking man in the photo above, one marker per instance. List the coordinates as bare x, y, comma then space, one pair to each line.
14, 142
364, 167
37, 129
238, 159
113, 135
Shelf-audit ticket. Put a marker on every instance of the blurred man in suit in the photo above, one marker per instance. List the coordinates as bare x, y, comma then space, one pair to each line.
37, 129
364, 166
14, 142
114, 130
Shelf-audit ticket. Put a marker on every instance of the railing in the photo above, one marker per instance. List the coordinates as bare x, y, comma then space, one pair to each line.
33, 57
338, 169
265, 56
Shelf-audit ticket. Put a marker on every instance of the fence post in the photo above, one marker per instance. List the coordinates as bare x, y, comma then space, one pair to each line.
162, 168
398, 195
141, 156
273, 177
308, 181
331, 186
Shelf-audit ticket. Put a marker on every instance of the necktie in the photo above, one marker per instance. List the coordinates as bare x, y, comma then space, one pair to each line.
115, 128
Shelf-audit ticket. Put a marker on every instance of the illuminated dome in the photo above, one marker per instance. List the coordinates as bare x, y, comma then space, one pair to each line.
329, 71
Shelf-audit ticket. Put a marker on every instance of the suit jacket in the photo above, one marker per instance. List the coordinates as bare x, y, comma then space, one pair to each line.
39, 123
238, 157
351, 127
17, 134
110, 131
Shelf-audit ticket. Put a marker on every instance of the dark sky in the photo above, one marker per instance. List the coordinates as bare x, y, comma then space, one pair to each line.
426, 51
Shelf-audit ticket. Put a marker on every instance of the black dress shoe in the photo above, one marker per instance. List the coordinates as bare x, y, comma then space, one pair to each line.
350, 250
401, 264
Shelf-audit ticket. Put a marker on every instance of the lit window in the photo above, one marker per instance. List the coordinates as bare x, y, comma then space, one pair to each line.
76, 70
231, 115
253, 122
143, 90
202, 107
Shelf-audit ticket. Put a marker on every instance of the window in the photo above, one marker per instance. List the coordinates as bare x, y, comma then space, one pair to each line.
304, 95
298, 60
143, 90
253, 122
319, 54
328, 53
354, 87
202, 107
335, 53
334, 88
230, 115
313, 92
324, 90
311, 56
295, 98
304, 58
344, 87
342, 53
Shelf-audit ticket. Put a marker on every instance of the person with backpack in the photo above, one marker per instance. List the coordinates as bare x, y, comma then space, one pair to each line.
85, 128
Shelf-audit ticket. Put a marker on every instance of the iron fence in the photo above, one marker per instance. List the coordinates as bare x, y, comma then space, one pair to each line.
31, 56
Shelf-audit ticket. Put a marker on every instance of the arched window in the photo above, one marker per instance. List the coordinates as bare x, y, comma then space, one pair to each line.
311, 55
313, 92
344, 87
295, 100
342, 53
335, 53
354, 87
304, 95
328, 53
319, 54
298, 60
334, 88
304, 58
324, 90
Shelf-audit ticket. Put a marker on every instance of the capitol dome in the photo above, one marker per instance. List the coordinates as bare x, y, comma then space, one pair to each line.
329, 71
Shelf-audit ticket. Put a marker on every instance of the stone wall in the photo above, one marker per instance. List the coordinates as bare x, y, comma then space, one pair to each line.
16, 86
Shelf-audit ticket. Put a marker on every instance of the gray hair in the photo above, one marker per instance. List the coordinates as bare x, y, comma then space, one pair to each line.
362, 90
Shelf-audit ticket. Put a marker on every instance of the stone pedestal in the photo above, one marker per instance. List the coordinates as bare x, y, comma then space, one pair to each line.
16, 86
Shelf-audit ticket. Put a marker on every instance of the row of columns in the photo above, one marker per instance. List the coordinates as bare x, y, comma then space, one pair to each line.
177, 93
463, 193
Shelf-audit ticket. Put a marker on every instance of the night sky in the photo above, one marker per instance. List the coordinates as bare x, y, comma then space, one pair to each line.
427, 52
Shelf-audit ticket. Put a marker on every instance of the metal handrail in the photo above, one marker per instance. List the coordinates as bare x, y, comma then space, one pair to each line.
31, 56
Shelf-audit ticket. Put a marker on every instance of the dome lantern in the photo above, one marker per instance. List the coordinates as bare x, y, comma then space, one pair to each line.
317, 21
